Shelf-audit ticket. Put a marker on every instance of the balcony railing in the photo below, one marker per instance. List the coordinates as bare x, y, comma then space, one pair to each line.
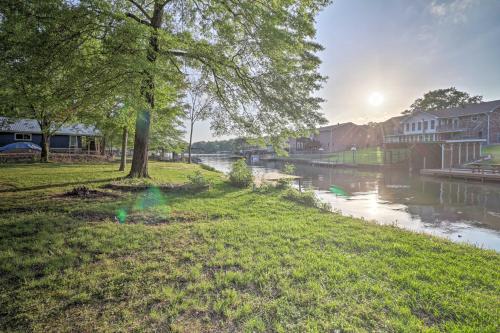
450, 128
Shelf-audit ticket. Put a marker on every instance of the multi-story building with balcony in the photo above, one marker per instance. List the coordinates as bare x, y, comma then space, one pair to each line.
458, 132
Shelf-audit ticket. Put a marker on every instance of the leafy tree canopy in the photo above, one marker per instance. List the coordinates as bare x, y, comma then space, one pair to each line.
53, 65
442, 99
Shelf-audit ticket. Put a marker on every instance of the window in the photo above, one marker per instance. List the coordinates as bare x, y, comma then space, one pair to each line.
426, 125
419, 126
23, 137
73, 142
455, 123
433, 123
480, 134
407, 127
412, 127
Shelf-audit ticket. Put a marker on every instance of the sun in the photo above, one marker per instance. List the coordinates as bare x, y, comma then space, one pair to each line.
376, 99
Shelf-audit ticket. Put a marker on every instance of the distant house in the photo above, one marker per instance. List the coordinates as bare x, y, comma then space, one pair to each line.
335, 138
74, 138
471, 122
449, 137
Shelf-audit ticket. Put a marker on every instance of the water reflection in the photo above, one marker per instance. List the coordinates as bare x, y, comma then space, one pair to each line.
460, 211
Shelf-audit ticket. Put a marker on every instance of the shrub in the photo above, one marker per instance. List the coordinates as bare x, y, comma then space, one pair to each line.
288, 169
306, 198
208, 167
198, 181
241, 174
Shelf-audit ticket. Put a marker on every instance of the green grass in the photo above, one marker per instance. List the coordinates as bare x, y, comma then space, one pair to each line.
494, 150
222, 260
361, 156
366, 156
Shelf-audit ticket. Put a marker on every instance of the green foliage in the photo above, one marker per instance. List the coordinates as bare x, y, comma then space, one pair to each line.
212, 147
241, 174
440, 99
53, 66
224, 260
207, 167
288, 169
199, 181
306, 198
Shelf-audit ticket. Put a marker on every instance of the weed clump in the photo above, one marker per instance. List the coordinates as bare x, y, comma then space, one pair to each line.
85, 192
198, 182
240, 175
208, 167
306, 198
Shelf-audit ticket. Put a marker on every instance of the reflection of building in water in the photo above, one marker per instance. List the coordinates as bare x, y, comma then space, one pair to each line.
435, 201
428, 199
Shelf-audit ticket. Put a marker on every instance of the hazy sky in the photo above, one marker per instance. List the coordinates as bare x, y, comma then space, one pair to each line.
396, 50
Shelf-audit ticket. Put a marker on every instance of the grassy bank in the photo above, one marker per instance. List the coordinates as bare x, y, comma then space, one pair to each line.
365, 156
494, 151
221, 260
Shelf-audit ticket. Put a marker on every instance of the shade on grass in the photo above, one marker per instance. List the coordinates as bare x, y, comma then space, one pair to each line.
225, 260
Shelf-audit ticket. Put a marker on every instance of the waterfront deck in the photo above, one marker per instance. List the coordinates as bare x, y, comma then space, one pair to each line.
467, 174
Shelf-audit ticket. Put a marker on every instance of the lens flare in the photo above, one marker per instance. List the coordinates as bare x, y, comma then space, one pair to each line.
121, 215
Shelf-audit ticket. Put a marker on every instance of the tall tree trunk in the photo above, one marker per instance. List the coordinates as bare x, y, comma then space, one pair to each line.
44, 156
103, 146
139, 167
123, 161
190, 142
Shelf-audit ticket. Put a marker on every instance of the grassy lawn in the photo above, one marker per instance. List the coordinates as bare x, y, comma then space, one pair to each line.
221, 260
494, 150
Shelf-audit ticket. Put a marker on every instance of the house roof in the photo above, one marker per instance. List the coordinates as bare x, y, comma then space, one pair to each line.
32, 126
467, 110
328, 128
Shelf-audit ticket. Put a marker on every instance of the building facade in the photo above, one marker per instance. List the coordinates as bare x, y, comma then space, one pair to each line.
335, 138
473, 121
73, 138
455, 135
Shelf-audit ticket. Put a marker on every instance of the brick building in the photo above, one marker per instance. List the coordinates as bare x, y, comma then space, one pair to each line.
335, 138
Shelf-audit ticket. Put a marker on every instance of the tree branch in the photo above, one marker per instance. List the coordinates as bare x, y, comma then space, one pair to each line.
143, 11
141, 21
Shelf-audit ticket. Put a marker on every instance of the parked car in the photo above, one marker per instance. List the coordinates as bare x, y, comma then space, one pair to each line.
20, 147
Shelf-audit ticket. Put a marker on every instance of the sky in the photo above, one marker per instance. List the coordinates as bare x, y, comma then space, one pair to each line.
380, 55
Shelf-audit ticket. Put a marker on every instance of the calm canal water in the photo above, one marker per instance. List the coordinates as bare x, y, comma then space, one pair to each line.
460, 211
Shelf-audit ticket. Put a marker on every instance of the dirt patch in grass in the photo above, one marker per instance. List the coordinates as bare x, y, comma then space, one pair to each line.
212, 270
18, 210
143, 187
152, 218
84, 192
176, 216
7, 187
92, 216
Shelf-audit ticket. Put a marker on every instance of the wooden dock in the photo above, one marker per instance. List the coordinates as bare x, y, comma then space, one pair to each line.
467, 174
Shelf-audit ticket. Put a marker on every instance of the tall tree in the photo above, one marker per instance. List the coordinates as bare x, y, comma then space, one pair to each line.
442, 99
166, 134
199, 108
51, 63
257, 57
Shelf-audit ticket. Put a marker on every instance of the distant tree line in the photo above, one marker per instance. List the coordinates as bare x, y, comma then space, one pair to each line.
212, 147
